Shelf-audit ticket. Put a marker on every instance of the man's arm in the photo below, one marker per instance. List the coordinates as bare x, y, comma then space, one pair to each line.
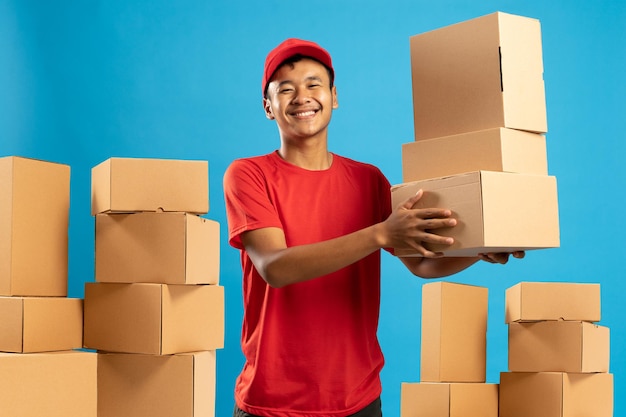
280, 265
443, 267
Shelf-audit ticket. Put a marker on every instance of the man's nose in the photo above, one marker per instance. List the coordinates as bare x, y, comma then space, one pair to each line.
302, 96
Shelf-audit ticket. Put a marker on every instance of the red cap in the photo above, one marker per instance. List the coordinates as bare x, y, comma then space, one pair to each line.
289, 48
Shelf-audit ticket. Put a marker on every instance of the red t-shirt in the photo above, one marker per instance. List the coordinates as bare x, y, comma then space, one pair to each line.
311, 348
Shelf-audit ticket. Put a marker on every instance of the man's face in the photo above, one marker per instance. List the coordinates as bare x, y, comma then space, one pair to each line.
300, 99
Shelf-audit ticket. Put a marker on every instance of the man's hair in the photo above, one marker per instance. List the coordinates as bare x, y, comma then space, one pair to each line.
297, 58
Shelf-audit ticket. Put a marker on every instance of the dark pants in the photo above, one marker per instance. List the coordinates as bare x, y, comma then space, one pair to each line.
372, 410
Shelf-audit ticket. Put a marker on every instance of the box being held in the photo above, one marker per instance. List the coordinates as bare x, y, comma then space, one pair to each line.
34, 221
129, 185
483, 73
495, 211
156, 319
137, 385
167, 248
40, 324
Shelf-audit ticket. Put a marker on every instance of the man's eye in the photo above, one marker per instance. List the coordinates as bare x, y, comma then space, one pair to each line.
285, 90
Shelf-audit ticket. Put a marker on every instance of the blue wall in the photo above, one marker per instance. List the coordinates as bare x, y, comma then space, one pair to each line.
81, 81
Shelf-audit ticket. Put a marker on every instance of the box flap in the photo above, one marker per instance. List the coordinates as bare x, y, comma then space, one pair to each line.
11, 324
202, 251
6, 216
522, 73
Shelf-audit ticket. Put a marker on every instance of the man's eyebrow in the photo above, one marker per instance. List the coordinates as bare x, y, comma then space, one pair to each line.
314, 78
309, 78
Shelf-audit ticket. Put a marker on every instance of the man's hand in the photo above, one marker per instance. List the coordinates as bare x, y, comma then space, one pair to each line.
409, 227
501, 257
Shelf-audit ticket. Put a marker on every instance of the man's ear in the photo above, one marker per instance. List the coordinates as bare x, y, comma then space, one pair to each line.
267, 106
334, 95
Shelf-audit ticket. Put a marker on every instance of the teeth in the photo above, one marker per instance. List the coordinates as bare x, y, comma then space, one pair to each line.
305, 113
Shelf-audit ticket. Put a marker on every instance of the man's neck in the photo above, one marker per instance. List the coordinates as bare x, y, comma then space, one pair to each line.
314, 158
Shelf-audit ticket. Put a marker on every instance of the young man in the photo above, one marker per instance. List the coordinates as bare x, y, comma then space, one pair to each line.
310, 225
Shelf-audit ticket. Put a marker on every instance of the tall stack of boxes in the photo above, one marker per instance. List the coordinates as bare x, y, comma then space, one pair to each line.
42, 370
453, 355
558, 355
479, 148
155, 313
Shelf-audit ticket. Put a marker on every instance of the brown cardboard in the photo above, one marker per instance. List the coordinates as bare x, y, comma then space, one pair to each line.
534, 301
34, 221
498, 149
554, 394
156, 319
495, 211
59, 384
142, 184
448, 400
167, 248
558, 346
40, 324
135, 385
454, 332
479, 74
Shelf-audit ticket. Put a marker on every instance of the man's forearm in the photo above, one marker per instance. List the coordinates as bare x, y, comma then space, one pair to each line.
437, 267
280, 265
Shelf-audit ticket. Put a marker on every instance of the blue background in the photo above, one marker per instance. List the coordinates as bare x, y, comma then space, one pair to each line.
82, 81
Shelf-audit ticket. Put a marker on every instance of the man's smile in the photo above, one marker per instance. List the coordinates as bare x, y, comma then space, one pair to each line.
304, 113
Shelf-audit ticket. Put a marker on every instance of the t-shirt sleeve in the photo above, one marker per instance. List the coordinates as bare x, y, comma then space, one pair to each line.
247, 200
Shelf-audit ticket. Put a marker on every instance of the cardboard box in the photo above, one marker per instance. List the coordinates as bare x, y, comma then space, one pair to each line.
479, 74
558, 346
133, 385
59, 384
40, 324
139, 184
499, 149
34, 221
534, 301
555, 394
496, 211
168, 248
454, 332
156, 319
448, 400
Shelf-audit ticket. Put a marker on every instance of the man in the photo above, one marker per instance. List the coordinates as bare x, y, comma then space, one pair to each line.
310, 225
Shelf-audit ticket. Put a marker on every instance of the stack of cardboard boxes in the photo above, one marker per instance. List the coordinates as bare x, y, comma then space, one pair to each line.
558, 356
479, 149
453, 355
42, 370
156, 311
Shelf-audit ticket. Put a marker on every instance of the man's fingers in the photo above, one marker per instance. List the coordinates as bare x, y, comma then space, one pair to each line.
411, 201
432, 213
425, 252
501, 257
495, 258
